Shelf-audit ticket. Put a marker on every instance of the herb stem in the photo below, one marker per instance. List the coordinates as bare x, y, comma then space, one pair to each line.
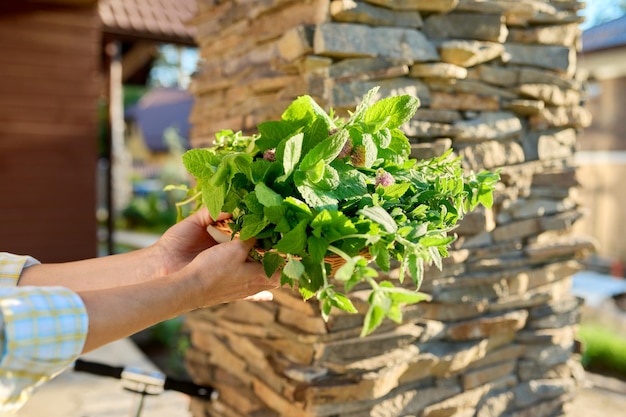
339, 252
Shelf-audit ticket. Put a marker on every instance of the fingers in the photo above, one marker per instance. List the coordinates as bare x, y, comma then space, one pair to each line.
243, 247
261, 296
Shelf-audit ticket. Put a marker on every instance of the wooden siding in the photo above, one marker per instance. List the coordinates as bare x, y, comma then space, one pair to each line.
49, 87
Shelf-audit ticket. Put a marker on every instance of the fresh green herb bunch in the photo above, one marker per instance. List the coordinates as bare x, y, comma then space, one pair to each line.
311, 185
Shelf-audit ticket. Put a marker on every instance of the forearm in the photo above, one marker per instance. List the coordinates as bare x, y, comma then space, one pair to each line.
115, 313
97, 273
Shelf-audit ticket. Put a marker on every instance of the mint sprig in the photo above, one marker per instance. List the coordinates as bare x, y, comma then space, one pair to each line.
310, 186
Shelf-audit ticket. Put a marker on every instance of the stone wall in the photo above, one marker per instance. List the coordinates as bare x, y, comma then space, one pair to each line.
497, 83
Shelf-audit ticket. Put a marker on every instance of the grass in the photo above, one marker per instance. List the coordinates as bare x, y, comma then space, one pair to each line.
604, 350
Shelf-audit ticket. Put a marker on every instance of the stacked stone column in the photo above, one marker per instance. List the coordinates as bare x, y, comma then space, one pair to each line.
497, 83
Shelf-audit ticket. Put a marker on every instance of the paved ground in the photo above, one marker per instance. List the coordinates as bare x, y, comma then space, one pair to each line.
77, 394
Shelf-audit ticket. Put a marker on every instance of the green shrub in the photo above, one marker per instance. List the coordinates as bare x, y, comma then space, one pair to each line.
603, 349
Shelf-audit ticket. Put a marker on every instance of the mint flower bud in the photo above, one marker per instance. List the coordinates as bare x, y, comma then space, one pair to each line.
384, 178
346, 150
357, 157
270, 155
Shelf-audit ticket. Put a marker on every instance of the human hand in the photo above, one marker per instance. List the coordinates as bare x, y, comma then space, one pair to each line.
182, 242
225, 273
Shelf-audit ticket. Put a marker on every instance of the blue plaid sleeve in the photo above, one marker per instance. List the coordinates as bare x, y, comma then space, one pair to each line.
11, 267
44, 330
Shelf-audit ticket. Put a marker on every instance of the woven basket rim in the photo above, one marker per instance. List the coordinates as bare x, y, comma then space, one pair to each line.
335, 261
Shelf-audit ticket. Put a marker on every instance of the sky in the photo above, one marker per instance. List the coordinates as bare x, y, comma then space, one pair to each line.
597, 11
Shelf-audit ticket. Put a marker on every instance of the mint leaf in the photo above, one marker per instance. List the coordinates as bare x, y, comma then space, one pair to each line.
312, 279
252, 202
316, 172
380, 253
316, 199
380, 216
304, 108
293, 269
327, 150
267, 196
294, 241
315, 133
373, 318
332, 224
272, 261
253, 224
200, 163
213, 197
273, 132
391, 112
362, 107
345, 271
371, 151
382, 138
291, 155
405, 296
317, 247
298, 208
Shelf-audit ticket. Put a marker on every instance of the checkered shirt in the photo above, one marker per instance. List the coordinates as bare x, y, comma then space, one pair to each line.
42, 331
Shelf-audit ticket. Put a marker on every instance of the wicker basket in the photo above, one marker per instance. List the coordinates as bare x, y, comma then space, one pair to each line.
221, 232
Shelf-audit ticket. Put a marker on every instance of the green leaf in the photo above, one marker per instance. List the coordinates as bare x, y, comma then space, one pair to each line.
312, 279
392, 112
330, 180
267, 196
293, 269
253, 224
405, 296
305, 108
352, 182
314, 134
275, 213
415, 265
273, 132
316, 198
294, 241
380, 253
305, 292
343, 303
371, 151
259, 169
373, 318
382, 137
316, 172
252, 202
333, 225
363, 106
345, 271
428, 241
213, 197
231, 165
317, 247
200, 163
380, 216
291, 155
272, 262
299, 208
395, 191
327, 307
327, 150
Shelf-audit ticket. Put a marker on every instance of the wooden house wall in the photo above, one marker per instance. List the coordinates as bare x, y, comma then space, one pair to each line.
49, 87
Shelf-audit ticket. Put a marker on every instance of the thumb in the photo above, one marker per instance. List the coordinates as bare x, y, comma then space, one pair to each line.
244, 246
